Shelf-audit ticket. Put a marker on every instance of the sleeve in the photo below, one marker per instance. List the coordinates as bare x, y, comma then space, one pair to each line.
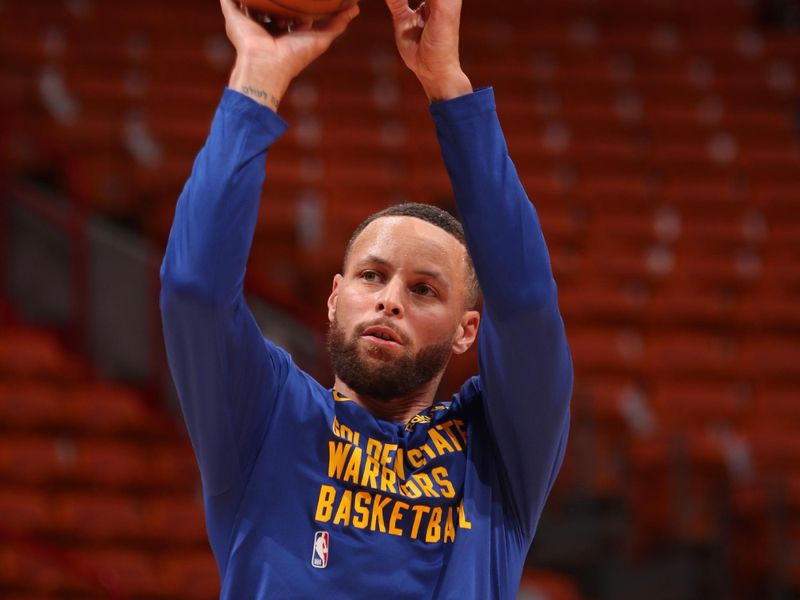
524, 361
225, 372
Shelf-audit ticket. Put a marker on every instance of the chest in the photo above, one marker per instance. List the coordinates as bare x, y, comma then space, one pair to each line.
347, 473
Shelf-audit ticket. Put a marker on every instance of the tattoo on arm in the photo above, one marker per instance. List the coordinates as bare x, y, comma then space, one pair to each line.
261, 95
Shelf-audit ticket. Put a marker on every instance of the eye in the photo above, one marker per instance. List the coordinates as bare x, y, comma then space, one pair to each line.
370, 276
423, 289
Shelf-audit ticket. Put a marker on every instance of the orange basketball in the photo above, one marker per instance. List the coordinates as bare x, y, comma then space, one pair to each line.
299, 9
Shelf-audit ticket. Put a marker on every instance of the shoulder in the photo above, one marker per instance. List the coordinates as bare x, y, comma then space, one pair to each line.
469, 393
467, 403
298, 390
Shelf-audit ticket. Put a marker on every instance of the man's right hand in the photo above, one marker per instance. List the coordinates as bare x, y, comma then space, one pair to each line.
265, 64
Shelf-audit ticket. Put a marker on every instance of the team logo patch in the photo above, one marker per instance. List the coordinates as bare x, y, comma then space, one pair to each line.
319, 558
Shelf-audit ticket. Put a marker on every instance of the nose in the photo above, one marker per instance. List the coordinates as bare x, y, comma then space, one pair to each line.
389, 299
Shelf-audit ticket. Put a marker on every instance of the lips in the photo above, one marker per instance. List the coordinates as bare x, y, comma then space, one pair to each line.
382, 333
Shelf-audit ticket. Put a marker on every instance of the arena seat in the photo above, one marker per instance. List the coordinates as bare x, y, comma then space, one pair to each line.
681, 405
692, 353
112, 464
189, 575
25, 509
606, 349
31, 459
675, 487
777, 403
127, 573
30, 405
93, 482
603, 301
685, 305
172, 467
769, 310
175, 519
26, 574
98, 517
774, 449
771, 357
103, 407
28, 353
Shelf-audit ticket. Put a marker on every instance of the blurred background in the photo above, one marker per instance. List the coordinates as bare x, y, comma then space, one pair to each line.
660, 142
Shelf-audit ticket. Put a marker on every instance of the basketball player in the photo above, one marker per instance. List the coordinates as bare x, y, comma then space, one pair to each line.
370, 488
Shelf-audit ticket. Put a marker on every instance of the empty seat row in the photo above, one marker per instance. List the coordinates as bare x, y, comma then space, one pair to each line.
76, 461
87, 517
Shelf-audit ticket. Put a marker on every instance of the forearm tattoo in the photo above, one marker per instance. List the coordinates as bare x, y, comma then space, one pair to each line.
261, 95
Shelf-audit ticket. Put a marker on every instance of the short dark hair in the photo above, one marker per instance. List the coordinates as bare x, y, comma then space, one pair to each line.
435, 216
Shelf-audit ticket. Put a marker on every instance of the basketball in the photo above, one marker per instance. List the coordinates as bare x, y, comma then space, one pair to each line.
299, 9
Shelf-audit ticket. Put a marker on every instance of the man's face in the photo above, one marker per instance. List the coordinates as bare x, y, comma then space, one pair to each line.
397, 312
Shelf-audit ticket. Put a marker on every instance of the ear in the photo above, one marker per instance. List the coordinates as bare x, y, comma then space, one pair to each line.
334, 297
467, 332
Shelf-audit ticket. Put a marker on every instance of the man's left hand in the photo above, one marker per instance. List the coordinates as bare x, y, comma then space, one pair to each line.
427, 39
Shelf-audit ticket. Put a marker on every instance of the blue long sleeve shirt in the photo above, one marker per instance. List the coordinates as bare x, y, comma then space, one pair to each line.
306, 493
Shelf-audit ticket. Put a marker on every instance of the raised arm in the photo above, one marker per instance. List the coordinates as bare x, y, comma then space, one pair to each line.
225, 372
525, 364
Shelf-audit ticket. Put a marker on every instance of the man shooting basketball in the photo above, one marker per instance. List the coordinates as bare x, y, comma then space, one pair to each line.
369, 488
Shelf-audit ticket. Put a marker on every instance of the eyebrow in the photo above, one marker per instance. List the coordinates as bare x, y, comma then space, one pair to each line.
377, 260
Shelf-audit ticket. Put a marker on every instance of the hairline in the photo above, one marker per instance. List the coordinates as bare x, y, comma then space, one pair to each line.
472, 292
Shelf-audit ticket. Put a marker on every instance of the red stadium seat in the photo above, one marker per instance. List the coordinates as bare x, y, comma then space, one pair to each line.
127, 573
699, 404
189, 575
106, 408
771, 357
97, 517
777, 404
175, 519
610, 349
173, 466
24, 509
774, 448
111, 464
677, 481
32, 459
30, 405
32, 353
685, 304
601, 301
30, 573
692, 353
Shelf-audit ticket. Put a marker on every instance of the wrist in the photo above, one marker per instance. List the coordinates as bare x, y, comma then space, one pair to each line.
446, 88
262, 82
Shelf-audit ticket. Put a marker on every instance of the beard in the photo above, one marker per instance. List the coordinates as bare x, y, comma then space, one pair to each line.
385, 376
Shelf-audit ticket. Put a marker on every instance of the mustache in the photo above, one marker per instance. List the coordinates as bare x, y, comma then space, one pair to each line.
381, 323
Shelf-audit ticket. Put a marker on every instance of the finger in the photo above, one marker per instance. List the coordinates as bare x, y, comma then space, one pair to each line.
398, 8
339, 21
424, 10
421, 14
231, 10
449, 9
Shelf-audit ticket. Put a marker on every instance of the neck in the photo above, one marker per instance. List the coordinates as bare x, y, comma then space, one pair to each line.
396, 410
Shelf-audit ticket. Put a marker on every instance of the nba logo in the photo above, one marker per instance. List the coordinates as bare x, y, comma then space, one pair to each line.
319, 558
